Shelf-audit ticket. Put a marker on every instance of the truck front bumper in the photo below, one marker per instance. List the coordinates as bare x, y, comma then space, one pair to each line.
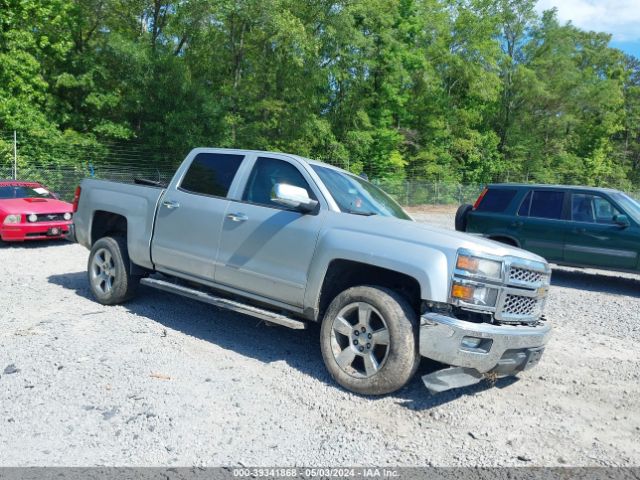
480, 348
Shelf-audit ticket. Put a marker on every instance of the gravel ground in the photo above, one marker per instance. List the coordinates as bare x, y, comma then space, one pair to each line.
168, 381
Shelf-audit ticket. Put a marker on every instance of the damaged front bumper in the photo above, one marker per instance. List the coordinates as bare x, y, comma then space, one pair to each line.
476, 350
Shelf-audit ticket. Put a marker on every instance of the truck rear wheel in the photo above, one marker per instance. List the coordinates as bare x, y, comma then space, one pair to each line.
368, 340
109, 274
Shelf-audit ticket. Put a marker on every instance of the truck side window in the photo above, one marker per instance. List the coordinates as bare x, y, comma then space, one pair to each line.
546, 204
265, 174
211, 173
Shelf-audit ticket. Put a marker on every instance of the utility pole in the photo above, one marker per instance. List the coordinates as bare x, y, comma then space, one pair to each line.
15, 155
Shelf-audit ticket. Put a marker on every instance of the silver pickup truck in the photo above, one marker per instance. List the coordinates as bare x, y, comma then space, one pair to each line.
294, 241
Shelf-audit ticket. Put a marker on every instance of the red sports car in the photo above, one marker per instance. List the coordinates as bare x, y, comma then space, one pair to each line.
28, 211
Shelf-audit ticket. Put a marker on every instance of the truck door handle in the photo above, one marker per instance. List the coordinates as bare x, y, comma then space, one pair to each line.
516, 224
170, 204
237, 217
580, 230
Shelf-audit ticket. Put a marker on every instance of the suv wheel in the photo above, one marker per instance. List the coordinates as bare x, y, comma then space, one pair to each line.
461, 217
368, 340
108, 271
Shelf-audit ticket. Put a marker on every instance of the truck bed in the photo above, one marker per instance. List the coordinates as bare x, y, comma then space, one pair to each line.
136, 203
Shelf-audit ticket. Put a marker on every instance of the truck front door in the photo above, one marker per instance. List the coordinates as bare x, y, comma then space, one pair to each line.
266, 249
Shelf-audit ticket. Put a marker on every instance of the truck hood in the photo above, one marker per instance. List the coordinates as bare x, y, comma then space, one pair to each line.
34, 205
439, 238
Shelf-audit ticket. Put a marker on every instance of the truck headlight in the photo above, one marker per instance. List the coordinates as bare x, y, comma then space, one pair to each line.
477, 266
9, 219
480, 295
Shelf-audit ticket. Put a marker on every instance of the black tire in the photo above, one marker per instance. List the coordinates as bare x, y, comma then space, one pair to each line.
462, 215
400, 359
108, 271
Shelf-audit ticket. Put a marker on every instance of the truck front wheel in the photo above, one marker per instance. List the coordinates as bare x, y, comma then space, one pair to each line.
368, 340
108, 269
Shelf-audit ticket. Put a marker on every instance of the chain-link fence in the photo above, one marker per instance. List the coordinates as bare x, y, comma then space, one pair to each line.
414, 192
63, 181
61, 165
409, 193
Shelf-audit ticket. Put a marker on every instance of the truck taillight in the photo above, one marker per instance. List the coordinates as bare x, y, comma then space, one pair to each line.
76, 198
475, 205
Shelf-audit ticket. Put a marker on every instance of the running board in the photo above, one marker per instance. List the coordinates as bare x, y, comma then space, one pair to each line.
220, 302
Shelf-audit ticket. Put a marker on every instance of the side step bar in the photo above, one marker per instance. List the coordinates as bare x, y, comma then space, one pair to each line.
206, 297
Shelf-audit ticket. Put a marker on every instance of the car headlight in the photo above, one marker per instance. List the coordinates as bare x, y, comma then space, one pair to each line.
33, 217
476, 266
67, 216
12, 219
480, 295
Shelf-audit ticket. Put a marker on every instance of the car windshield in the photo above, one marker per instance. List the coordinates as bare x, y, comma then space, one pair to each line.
630, 206
24, 191
357, 196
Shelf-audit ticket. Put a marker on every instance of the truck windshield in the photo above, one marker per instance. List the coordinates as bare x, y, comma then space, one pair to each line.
630, 206
357, 196
23, 191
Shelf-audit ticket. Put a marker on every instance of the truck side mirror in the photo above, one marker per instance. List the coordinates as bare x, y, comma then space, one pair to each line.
292, 197
621, 220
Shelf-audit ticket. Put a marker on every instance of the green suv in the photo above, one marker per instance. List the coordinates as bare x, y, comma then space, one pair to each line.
576, 226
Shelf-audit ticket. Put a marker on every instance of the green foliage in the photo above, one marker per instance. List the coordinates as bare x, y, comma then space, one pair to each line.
439, 90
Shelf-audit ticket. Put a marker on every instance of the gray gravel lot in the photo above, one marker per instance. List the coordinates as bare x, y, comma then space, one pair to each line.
165, 380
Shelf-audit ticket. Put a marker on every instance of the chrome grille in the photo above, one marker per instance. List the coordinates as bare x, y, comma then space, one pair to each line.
521, 275
519, 305
519, 308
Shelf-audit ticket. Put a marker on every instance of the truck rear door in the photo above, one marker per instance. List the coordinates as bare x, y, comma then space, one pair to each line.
191, 214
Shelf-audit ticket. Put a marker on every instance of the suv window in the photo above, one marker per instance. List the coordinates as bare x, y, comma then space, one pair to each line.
525, 205
265, 174
496, 200
211, 173
592, 209
544, 204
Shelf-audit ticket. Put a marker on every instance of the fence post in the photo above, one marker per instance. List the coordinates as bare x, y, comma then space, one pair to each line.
15, 155
406, 192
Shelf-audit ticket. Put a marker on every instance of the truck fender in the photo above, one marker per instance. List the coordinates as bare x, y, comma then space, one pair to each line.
426, 265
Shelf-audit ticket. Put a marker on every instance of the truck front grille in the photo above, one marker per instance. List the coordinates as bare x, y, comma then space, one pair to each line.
519, 295
519, 305
522, 275
523, 298
516, 308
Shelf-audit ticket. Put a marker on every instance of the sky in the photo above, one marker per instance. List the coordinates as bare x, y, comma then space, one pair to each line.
620, 18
